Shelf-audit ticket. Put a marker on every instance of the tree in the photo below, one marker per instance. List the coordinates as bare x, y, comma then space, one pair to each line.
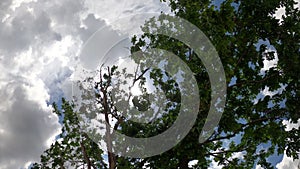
74, 148
236, 31
112, 100
249, 122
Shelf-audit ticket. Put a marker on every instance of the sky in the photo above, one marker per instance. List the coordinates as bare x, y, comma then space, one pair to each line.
41, 44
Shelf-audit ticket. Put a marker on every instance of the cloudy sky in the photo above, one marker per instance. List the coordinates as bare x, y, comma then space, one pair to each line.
40, 48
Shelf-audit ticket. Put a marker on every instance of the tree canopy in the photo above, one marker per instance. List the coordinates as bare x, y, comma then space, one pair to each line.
246, 35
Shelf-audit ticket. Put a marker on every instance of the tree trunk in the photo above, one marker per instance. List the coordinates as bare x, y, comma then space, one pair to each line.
111, 157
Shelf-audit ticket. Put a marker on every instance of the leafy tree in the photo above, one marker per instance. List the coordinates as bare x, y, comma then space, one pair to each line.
111, 100
74, 148
237, 29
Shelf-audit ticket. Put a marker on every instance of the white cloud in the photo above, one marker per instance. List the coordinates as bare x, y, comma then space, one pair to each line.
290, 125
114, 9
269, 63
26, 122
215, 165
192, 163
259, 167
4, 5
280, 12
288, 162
17, 3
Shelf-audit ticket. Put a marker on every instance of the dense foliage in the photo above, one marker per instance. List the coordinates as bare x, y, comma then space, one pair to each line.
246, 35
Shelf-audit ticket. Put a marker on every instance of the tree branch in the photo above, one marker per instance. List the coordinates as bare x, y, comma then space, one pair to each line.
85, 155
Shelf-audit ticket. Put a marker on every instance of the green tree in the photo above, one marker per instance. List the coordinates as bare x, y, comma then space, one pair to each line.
236, 29
74, 148
112, 100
